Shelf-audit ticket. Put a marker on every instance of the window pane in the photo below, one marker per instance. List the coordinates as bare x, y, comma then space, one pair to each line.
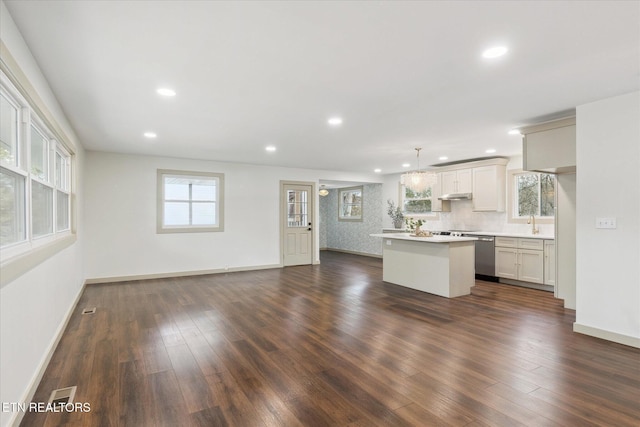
62, 211
350, 204
417, 206
176, 213
59, 171
203, 190
297, 208
8, 131
203, 213
41, 209
547, 194
12, 217
176, 191
39, 154
527, 188
417, 202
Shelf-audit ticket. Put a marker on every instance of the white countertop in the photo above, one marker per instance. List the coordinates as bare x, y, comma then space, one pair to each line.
432, 239
521, 235
492, 233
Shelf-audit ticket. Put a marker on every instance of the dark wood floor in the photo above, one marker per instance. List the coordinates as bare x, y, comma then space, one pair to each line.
333, 345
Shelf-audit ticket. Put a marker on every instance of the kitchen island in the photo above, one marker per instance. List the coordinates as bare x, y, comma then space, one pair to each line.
440, 265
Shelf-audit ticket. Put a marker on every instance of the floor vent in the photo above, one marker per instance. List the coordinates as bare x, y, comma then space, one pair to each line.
89, 311
62, 396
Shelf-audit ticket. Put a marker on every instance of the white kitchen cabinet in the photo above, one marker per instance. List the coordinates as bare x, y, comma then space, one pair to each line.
550, 147
457, 181
550, 262
507, 263
489, 189
520, 259
531, 266
436, 191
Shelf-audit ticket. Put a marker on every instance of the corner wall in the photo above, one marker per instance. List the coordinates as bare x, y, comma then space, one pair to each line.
354, 236
608, 185
121, 213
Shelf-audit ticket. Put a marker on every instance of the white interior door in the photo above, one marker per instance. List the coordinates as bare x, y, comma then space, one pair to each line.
297, 224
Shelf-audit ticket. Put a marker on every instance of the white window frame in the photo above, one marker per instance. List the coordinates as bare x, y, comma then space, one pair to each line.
344, 192
512, 207
32, 250
402, 190
219, 202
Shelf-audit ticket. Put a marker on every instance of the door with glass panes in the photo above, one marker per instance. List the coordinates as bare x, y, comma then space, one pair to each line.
297, 235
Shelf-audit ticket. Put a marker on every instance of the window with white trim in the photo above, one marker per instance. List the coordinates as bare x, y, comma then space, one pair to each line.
531, 193
350, 204
190, 201
416, 203
35, 177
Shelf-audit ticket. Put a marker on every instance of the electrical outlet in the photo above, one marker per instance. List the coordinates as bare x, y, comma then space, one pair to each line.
388, 242
605, 223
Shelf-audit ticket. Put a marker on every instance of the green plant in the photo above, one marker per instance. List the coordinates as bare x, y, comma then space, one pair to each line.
395, 213
413, 223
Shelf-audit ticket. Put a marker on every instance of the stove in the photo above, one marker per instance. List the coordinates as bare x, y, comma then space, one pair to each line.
454, 233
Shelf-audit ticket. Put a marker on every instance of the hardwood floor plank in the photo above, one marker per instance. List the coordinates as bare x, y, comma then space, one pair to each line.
333, 345
192, 382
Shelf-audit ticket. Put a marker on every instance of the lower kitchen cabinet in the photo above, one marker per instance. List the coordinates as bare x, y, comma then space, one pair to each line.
520, 259
550, 262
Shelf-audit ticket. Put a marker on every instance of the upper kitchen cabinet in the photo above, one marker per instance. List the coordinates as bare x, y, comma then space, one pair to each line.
438, 205
489, 188
456, 181
550, 147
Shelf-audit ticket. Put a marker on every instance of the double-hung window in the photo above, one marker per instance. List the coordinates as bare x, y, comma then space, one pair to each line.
350, 204
416, 203
35, 177
190, 201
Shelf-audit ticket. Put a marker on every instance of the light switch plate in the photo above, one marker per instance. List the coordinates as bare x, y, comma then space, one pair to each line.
388, 242
605, 223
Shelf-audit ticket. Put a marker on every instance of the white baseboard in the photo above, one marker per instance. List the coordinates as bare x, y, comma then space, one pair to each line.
44, 363
353, 252
607, 335
114, 279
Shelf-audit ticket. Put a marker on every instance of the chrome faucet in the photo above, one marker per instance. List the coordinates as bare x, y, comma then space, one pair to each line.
532, 221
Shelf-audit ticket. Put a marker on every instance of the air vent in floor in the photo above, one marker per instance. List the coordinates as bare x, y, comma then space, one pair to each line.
62, 396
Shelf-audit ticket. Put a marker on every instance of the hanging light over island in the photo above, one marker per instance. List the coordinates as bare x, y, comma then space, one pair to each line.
418, 181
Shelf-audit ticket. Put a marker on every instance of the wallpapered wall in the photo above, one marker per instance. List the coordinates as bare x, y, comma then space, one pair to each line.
352, 236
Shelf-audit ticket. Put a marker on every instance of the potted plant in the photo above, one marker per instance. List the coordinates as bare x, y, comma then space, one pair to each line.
395, 213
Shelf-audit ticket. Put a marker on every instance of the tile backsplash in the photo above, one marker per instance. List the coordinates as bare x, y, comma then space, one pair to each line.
462, 217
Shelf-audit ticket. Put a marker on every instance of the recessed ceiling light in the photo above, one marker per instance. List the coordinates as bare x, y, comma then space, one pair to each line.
443, 158
494, 52
406, 165
150, 135
514, 132
335, 121
490, 150
165, 91
377, 170
270, 148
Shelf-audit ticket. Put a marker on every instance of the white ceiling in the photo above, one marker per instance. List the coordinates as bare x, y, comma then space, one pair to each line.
251, 74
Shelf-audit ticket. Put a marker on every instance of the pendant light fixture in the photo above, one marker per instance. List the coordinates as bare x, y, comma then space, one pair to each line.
418, 181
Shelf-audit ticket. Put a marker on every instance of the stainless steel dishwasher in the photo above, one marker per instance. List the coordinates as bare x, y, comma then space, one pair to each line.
485, 258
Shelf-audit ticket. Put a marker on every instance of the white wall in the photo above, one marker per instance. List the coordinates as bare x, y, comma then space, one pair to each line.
121, 217
34, 307
608, 185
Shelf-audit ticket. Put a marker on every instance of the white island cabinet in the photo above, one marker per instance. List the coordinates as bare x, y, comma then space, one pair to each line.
440, 265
